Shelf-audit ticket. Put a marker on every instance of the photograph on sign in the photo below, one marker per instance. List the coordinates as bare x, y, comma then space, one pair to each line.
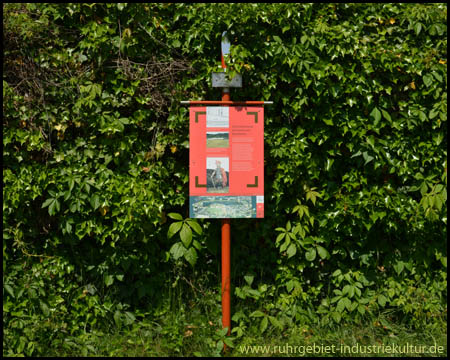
217, 139
217, 174
217, 116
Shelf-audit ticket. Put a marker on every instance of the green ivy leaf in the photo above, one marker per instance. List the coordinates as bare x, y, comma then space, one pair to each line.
44, 307
9, 289
348, 303
382, 300
109, 280
311, 254
174, 228
177, 250
437, 76
336, 316
95, 202
222, 332
129, 318
263, 325
195, 225
280, 237
175, 216
249, 279
418, 28
341, 305
186, 235
257, 313
323, 253
427, 80
291, 250
228, 341
68, 227
399, 266
191, 256
275, 322
118, 318
375, 115
361, 309
53, 208
351, 291
121, 6
47, 202
386, 115
367, 157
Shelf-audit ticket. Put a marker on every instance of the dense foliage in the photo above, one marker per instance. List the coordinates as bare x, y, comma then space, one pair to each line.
95, 164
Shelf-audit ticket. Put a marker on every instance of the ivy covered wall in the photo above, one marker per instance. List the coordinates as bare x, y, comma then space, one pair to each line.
95, 161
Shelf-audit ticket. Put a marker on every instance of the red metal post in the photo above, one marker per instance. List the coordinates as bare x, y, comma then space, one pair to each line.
226, 245
226, 97
226, 283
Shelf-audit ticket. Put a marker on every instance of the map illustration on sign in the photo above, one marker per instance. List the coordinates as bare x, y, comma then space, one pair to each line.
226, 162
222, 206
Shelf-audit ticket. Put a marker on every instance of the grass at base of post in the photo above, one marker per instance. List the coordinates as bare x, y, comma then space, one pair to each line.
180, 335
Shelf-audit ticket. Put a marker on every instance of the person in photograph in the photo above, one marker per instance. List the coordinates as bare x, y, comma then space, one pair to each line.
219, 175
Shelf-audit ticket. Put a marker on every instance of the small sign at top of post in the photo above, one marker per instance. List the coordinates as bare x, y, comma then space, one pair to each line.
225, 46
219, 79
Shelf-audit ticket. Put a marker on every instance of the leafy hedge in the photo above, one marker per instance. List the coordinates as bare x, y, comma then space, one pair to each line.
95, 160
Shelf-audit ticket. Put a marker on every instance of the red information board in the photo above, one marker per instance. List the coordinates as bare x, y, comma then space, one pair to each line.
226, 162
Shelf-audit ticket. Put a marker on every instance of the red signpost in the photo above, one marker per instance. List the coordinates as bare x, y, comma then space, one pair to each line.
226, 226
223, 130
